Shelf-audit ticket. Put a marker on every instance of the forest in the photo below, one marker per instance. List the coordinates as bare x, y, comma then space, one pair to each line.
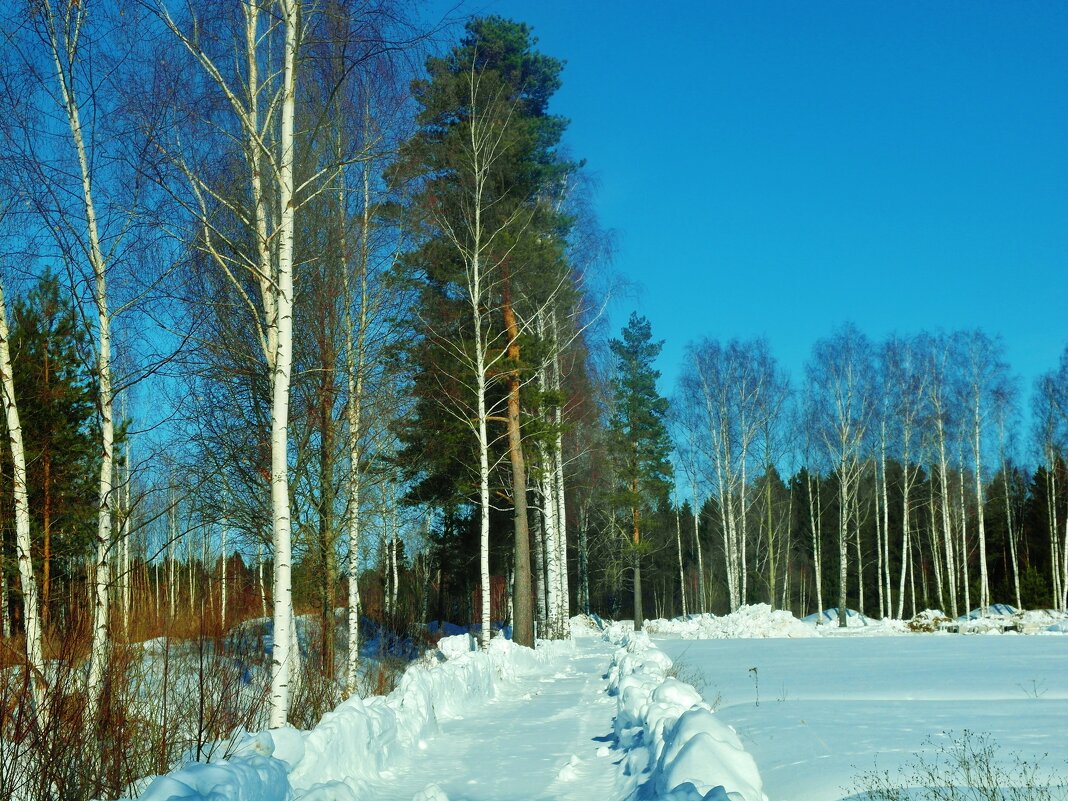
311, 344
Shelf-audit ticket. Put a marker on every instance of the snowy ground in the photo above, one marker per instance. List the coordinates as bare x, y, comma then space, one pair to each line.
538, 739
801, 712
816, 712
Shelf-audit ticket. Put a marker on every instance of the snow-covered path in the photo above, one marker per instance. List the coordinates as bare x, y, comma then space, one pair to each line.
538, 739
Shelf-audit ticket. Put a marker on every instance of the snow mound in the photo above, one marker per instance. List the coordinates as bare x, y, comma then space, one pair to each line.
747, 622
854, 619
994, 610
362, 738
927, 621
430, 793
586, 625
676, 749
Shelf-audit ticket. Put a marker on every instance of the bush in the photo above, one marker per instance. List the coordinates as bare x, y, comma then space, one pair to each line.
966, 768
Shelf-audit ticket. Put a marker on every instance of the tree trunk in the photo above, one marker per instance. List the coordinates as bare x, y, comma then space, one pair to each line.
947, 528
98, 653
843, 543
283, 658
23, 552
539, 575
682, 574
636, 540
523, 622
583, 560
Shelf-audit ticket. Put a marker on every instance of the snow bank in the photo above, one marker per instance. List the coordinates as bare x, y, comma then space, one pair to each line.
755, 621
829, 617
358, 741
675, 747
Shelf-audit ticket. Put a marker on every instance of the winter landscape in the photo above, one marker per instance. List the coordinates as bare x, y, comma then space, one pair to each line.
432, 401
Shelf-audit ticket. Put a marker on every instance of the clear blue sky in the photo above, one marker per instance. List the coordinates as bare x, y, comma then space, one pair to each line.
777, 169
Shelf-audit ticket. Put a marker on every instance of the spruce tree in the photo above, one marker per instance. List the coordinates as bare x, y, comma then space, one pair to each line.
640, 444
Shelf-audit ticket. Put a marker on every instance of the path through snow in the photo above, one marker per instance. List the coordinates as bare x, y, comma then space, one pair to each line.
537, 740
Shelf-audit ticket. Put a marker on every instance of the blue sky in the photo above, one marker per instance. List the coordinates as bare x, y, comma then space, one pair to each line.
775, 169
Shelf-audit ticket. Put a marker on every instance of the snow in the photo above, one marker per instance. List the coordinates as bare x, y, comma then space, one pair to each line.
465, 724
675, 744
829, 617
775, 708
816, 713
758, 620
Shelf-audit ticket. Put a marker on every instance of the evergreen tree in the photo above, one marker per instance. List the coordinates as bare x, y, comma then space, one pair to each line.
55, 394
485, 176
641, 446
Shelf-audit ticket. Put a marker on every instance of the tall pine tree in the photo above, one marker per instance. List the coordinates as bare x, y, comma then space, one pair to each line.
640, 444
484, 172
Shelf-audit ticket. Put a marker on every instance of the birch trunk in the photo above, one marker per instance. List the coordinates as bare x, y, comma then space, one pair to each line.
947, 528
66, 42
682, 574
977, 457
23, 553
541, 596
284, 657
816, 522
702, 598
583, 560
561, 497
843, 543
886, 526
222, 581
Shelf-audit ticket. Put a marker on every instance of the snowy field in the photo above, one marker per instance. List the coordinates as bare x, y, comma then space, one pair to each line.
783, 710
815, 712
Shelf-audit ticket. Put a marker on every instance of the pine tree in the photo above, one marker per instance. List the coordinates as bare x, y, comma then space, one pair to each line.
485, 172
55, 392
641, 446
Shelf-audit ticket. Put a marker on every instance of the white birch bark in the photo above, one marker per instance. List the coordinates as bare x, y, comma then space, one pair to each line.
354, 371
5, 613
552, 556
962, 558
222, 579
124, 533
172, 568
702, 603
947, 528
885, 573
23, 547
977, 458
284, 658
682, 574
558, 474
263, 587
63, 43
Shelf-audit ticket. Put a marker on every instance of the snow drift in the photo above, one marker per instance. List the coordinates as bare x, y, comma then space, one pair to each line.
675, 747
361, 738
757, 620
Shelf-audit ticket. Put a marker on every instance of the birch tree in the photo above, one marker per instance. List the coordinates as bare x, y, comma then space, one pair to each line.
23, 549
839, 382
262, 101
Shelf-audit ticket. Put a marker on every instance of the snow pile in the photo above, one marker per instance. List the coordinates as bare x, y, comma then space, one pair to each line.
829, 617
992, 611
586, 625
676, 748
747, 622
929, 620
358, 741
